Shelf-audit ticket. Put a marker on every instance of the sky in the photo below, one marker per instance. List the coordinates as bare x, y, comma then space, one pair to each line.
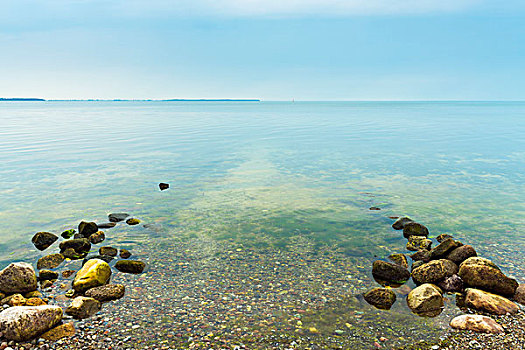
267, 49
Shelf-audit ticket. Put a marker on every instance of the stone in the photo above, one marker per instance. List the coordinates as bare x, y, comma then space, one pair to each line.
83, 307
421, 255
399, 224
442, 237
14, 300
18, 278
414, 229
381, 298
425, 300
72, 254
43, 240
67, 234
416, 264
399, 259
75, 248
476, 323
59, 332
86, 229
488, 302
374, 208
483, 274
35, 302
97, 237
68, 273
107, 293
107, 225
125, 254
47, 275
109, 251
132, 221
105, 258
434, 271
444, 248
462, 253
164, 186
22, 323
46, 284
93, 274
519, 296
130, 266
117, 217
452, 284
416, 243
389, 272
33, 294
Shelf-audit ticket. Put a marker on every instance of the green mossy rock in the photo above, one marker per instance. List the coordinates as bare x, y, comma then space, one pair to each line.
444, 248
484, 274
389, 272
93, 274
416, 243
86, 229
51, 261
381, 298
462, 253
414, 229
399, 259
132, 221
68, 234
434, 271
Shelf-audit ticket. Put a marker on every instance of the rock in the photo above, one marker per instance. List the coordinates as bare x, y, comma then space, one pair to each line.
389, 272
59, 332
414, 229
93, 274
476, 323
35, 302
47, 275
22, 323
444, 248
72, 254
107, 225
416, 264
374, 208
107, 293
97, 237
416, 243
381, 298
488, 302
75, 248
109, 251
42, 240
14, 300
105, 258
116, 217
434, 271
164, 186
452, 284
425, 300
68, 273
399, 259
125, 254
130, 266
483, 274
83, 307
132, 221
2, 296
33, 294
461, 254
442, 237
399, 224
421, 255
519, 296
68, 234
46, 284
18, 278
86, 229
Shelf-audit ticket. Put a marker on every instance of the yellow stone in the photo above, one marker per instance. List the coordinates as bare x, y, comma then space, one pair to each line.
94, 273
59, 332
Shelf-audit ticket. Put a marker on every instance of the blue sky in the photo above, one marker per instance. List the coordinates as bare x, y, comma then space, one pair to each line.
273, 50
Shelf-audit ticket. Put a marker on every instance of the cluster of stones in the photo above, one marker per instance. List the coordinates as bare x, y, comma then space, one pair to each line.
26, 313
449, 267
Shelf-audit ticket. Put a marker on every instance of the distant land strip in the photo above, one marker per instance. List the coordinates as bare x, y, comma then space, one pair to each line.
21, 99
152, 100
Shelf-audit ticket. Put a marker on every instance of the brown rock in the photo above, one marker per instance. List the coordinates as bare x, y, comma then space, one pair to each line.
399, 259
491, 303
381, 298
83, 307
86, 229
476, 323
14, 300
18, 278
421, 255
125, 254
107, 293
414, 229
434, 271
68, 273
461, 254
425, 300
35, 302
399, 224
50, 261
59, 332
483, 274
444, 248
442, 237
97, 237
416, 243
519, 296
21, 323
109, 251
390, 272
451, 284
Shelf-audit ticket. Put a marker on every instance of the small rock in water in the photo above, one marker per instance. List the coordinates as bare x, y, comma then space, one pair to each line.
42, 240
374, 208
47, 275
164, 186
451, 284
105, 258
444, 248
86, 229
109, 251
68, 234
476, 323
425, 300
107, 293
59, 332
94, 273
416, 243
461, 254
35, 302
68, 273
18, 278
399, 259
83, 307
130, 266
399, 224
414, 229
132, 221
381, 298
125, 254
117, 217
97, 237
389, 272
442, 237
107, 225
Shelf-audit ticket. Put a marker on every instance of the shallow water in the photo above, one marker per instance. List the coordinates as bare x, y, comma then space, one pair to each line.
270, 179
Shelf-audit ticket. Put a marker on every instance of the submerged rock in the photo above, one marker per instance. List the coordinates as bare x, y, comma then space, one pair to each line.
434, 271
72, 254
47, 275
425, 300
399, 259
519, 296
97, 237
416, 243
18, 278
488, 302
421, 255
107, 225
43, 240
414, 229
109, 251
442, 237
68, 234
117, 217
107, 293
452, 284
416, 264
59, 332
125, 254
22, 323
83, 307
81, 245
130, 266
476, 323
93, 274
399, 224
461, 254
381, 298
132, 221
390, 272
164, 186
484, 274
86, 229
444, 248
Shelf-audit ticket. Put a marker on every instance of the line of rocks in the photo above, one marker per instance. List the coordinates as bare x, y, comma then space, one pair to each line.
27, 316
450, 267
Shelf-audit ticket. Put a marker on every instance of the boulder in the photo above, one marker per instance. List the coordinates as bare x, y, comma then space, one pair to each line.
83, 307
399, 259
117, 217
461, 254
125, 254
488, 302
416, 264
425, 300
109, 251
131, 266
67, 234
452, 284
35, 302
389, 272
107, 225
22, 323
434, 271
444, 248
164, 186
483, 274
14, 300
93, 274
476, 323
59, 332
414, 229
421, 255
399, 224
44, 275
80, 245
106, 293
416, 243
97, 237
86, 229
519, 296
18, 278
42, 240
442, 237
132, 221
381, 298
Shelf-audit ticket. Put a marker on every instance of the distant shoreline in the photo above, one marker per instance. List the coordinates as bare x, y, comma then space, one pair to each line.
17, 99
21, 99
